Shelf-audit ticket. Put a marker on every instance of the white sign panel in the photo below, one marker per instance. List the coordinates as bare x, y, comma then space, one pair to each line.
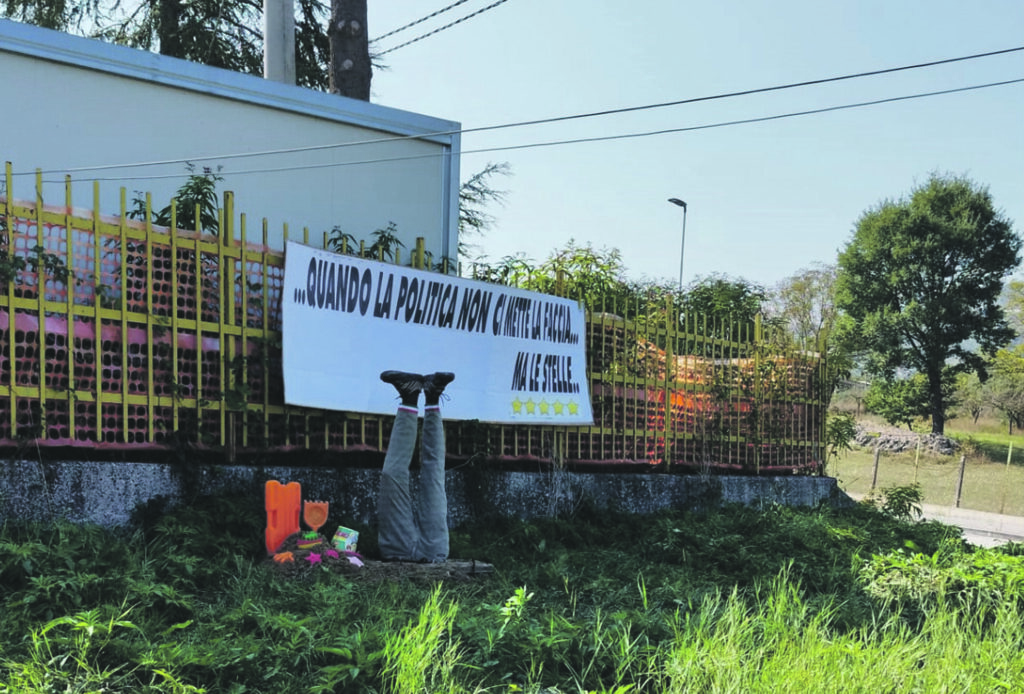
518, 357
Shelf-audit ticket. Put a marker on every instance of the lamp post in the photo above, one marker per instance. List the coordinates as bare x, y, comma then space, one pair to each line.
682, 241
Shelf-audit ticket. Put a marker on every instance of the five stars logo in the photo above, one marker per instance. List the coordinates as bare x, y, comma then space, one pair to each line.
559, 408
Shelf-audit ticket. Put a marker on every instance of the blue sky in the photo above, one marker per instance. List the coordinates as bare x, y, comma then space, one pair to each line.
765, 199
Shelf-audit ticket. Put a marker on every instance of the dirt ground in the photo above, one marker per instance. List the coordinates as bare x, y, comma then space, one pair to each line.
306, 564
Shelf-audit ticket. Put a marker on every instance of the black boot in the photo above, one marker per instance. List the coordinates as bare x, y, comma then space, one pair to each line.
433, 386
407, 384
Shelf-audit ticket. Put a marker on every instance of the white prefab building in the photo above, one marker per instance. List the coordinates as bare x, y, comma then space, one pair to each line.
133, 119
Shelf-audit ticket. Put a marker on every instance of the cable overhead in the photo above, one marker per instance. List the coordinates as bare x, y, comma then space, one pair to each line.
538, 121
747, 121
600, 138
748, 92
419, 21
440, 29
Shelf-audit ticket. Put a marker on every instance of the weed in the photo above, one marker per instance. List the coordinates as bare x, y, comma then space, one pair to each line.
734, 599
900, 502
422, 655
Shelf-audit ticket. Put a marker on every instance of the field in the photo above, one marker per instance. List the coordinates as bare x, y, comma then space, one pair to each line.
989, 483
705, 600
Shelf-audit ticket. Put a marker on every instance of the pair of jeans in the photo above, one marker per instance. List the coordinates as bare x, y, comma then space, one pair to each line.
405, 533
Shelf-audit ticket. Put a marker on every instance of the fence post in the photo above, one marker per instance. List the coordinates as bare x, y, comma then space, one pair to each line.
225, 317
8, 251
69, 295
917, 458
874, 474
757, 406
122, 229
670, 378
97, 307
1006, 474
960, 480
419, 255
150, 404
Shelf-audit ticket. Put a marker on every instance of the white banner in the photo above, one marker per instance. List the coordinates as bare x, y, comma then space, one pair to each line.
518, 357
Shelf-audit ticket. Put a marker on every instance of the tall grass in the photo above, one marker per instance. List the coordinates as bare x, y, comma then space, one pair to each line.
422, 655
780, 645
735, 600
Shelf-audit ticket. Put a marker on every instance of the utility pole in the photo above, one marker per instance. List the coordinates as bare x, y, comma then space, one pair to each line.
350, 49
279, 41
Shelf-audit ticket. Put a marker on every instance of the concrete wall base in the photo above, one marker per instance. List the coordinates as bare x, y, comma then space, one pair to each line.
106, 493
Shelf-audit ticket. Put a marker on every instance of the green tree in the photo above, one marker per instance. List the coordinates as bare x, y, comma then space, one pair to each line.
1013, 297
1004, 391
898, 401
591, 275
475, 194
921, 278
512, 271
970, 392
725, 297
722, 307
197, 194
805, 305
60, 15
222, 33
595, 276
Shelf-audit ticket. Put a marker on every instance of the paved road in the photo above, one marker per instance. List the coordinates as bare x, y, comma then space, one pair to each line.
980, 528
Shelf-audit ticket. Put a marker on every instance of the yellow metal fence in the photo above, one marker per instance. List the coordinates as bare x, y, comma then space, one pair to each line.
119, 334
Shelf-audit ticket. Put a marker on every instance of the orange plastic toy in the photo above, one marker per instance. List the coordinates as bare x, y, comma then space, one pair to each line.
315, 514
282, 502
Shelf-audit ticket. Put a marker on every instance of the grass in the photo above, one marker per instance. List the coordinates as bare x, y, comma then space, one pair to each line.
989, 484
731, 600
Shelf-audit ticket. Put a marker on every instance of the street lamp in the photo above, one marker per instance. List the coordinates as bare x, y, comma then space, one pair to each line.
682, 241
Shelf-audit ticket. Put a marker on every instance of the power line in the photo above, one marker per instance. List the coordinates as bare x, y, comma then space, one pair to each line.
600, 138
419, 21
440, 29
750, 92
760, 119
538, 121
